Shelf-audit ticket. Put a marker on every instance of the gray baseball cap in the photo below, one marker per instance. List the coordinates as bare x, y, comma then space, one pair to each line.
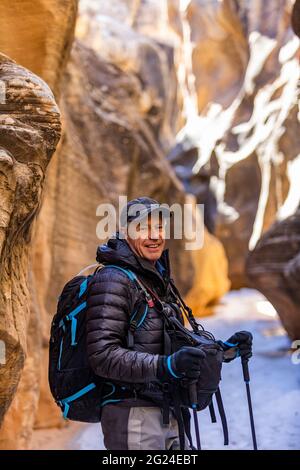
139, 208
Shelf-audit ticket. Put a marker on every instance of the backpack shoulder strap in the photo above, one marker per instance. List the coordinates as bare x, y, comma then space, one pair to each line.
128, 273
140, 309
133, 277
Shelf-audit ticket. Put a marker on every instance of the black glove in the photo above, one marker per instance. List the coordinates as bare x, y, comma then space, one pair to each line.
184, 363
240, 344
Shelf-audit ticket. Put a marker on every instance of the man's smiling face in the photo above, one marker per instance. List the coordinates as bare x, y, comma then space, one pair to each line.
147, 237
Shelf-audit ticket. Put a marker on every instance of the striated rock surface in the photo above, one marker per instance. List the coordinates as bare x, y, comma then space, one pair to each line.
38, 35
29, 132
220, 53
242, 76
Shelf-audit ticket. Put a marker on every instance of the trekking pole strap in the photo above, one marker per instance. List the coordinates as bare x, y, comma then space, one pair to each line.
179, 418
197, 432
187, 426
212, 412
193, 403
222, 416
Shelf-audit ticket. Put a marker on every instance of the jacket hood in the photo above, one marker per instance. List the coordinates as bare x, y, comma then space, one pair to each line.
117, 251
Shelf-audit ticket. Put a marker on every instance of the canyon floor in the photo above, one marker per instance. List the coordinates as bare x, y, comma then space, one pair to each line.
275, 386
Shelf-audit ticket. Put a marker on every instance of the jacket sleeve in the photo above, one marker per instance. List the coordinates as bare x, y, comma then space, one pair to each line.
110, 299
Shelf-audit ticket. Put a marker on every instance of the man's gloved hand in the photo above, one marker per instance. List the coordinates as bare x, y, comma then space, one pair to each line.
184, 363
240, 344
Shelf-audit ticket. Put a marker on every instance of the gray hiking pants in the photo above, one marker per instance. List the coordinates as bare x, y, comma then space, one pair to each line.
138, 428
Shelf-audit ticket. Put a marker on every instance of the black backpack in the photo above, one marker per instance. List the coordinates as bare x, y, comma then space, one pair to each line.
76, 389
81, 394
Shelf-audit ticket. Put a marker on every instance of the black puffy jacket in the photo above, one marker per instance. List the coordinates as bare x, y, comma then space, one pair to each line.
111, 299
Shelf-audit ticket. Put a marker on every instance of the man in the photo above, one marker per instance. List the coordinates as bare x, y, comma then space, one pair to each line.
130, 419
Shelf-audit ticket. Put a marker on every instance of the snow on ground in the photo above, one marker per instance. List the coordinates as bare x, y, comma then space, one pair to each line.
275, 382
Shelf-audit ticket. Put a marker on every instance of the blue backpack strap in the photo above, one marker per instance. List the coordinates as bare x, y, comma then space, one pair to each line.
83, 287
106, 398
65, 402
72, 317
128, 273
60, 353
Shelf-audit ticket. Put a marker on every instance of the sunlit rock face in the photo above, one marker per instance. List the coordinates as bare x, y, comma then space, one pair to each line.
29, 132
273, 266
220, 53
243, 118
38, 34
121, 36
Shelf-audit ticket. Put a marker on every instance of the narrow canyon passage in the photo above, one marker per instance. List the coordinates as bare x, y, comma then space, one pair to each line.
191, 103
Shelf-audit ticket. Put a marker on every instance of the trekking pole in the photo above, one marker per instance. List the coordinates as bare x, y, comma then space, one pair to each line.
247, 382
193, 398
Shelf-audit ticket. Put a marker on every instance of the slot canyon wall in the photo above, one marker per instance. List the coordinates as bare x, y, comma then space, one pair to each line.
239, 151
274, 265
213, 88
35, 41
